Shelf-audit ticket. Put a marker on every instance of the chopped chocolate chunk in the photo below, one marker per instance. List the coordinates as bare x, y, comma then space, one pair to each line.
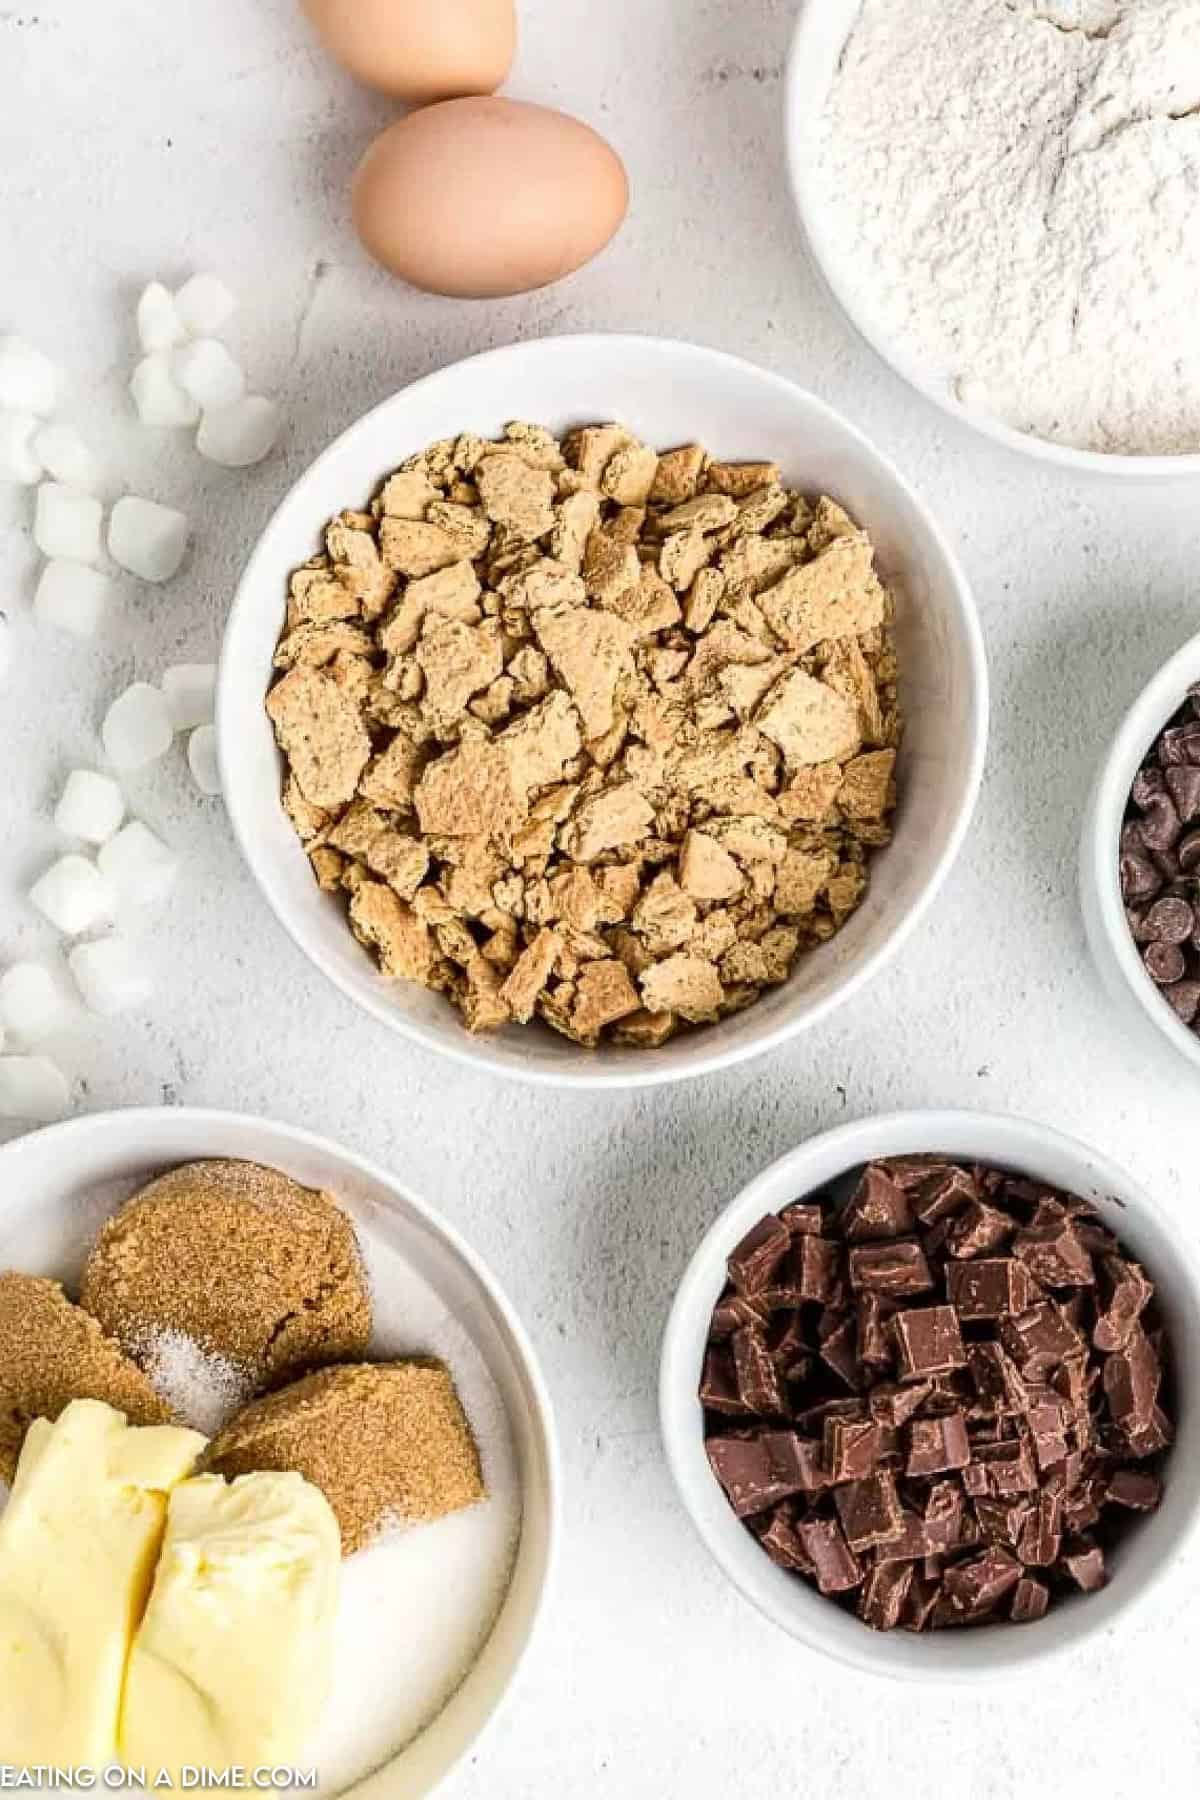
1085, 1565
893, 1268
1030, 1601
935, 1445
1128, 1295
718, 1385
815, 1265
783, 1545
1051, 1251
1009, 1466
1135, 1489
756, 1258
977, 1228
881, 1602
731, 1313
851, 1448
802, 1220
981, 1583
953, 1483
878, 1208
1131, 1381
1039, 1339
989, 1287
928, 1342
837, 1567
758, 1383
895, 1406
869, 1510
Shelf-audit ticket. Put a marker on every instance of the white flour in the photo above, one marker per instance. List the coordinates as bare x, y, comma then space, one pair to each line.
1012, 191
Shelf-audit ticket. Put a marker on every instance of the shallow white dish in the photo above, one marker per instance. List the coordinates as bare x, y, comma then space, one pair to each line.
1116, 955
57, 1186
669, 393
822, 29
1141, 1562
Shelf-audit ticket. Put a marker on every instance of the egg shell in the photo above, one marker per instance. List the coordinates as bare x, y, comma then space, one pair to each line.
420, 50
484, 197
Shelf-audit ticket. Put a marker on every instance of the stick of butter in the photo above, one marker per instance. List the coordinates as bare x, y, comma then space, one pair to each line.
234, 1660
78, 1543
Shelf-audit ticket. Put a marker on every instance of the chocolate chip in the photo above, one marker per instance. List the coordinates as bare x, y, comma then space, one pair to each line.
1128, 1295
869, 1510
881, 1602
758, 1383
1184, 784
835, 1563
718, 1385
744, 1469
851, 1448
1170, 921
1184, 996
1188, 849
935, 1445
815, 1265
783, 1545
989, 1287
1165, 963
1131, 1381
1181, 744
928, 1341
978, 1585
1085, 1565
803, 1220
978, 1228
1031, 1599
878, 1208
1161, 825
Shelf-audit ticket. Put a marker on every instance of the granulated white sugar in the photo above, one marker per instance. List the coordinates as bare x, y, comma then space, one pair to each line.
202, 1390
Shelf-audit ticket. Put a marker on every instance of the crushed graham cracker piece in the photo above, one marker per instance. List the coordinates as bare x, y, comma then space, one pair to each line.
581, 717
321, 733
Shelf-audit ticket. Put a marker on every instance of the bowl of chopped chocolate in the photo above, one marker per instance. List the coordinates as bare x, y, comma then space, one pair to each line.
932, 1373
1140, 858
601, 753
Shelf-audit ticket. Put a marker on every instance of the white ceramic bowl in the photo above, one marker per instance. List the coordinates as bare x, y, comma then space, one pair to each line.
670, 393
50, 1182
1144, 1558
820, 37
1116, 955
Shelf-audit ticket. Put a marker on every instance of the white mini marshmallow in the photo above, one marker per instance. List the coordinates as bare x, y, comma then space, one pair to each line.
63, 454
91, 806
159, 399
32, 1088
239, 435
204, 304
67, 523
31, 1001
189, 689
205, 370
108, 978
138, 865
137, 727
73, 895
202, 760
159, 325
18, 459
71, 597
147, 539
29, 381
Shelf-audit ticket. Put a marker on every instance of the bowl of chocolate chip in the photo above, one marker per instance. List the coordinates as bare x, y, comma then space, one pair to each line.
929, 1378
1140, 861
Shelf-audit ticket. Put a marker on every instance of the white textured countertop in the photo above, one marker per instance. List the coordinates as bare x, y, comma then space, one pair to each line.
153, 137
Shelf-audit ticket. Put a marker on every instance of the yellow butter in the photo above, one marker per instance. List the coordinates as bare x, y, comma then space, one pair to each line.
233, 1663
78, 1543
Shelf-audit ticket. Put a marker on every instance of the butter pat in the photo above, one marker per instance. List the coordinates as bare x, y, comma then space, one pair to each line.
233, 1662
79, 1539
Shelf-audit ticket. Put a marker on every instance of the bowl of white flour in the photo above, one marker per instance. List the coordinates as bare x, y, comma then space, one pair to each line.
1003, 196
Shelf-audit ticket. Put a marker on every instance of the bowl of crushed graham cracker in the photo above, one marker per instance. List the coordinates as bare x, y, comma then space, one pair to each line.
598, 753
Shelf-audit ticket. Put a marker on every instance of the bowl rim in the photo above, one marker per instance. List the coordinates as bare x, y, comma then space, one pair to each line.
133, 1120
869, 1651
1124, 466
475, 1053
1100, 839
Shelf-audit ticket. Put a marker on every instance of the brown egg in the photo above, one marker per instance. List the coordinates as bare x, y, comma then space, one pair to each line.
420, 50
478, 198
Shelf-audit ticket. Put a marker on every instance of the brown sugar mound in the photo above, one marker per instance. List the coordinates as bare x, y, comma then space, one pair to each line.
245, 1262
387, 1443
51, 1353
